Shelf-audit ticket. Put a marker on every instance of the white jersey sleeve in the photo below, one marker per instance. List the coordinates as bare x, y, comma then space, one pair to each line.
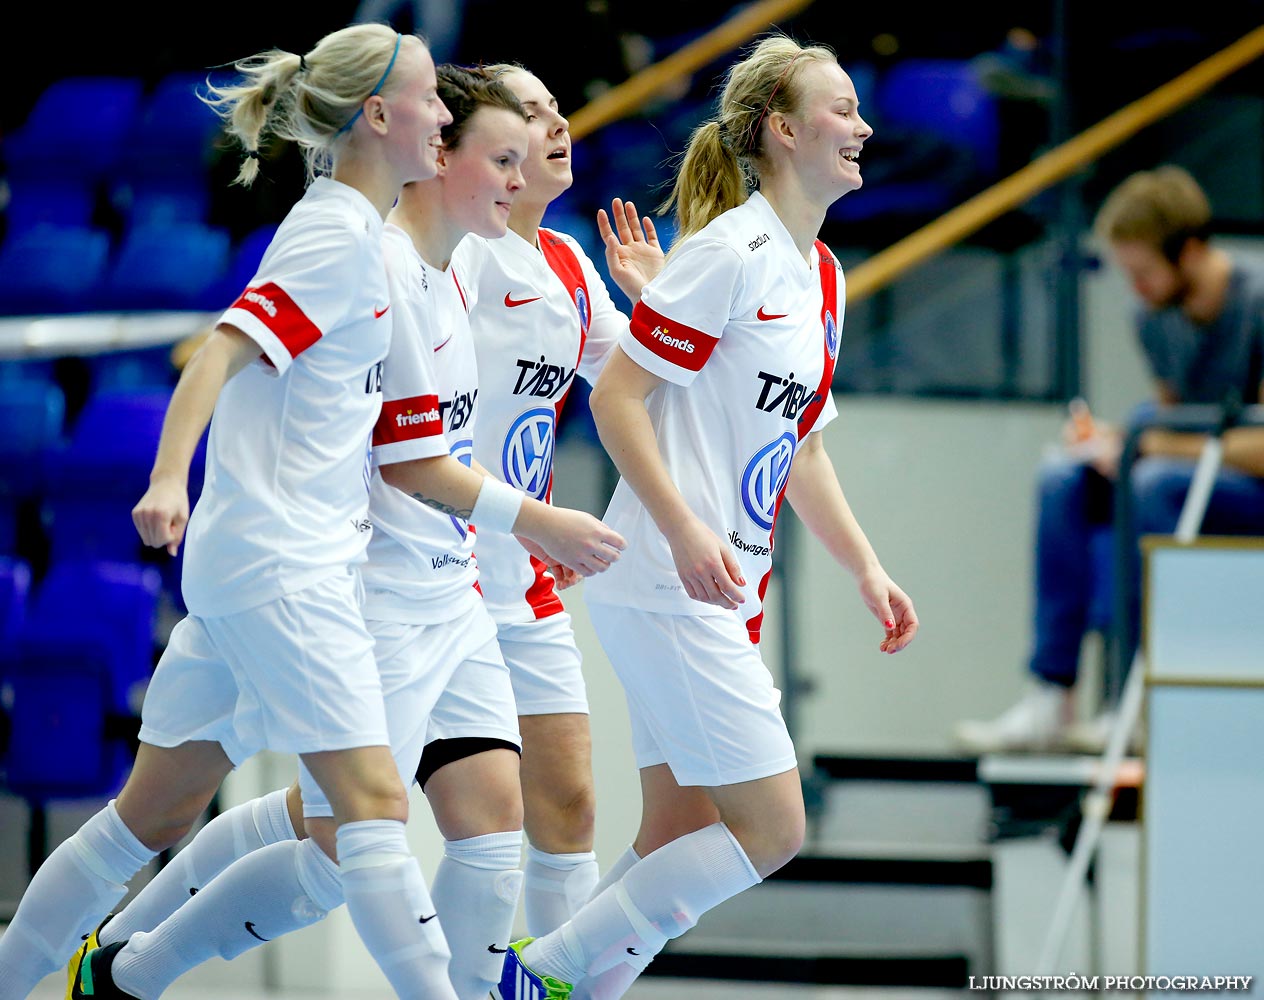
409, 426
684, 310
299, 292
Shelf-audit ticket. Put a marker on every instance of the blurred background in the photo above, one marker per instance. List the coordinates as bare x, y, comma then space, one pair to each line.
120, 237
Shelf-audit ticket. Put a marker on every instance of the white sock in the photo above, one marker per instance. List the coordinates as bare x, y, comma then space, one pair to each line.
70, 894
270, 892
229, 836
391, 909
659, 898
476, 893
557, 886
616, 871
618, 979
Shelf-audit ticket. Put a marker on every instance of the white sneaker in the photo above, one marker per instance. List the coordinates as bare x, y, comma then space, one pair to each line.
1091, 736
1037, 721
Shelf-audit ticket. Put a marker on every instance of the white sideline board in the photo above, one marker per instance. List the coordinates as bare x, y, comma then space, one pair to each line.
1203, 806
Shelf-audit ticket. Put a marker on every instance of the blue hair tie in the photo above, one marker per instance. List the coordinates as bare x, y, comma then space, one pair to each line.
373, 93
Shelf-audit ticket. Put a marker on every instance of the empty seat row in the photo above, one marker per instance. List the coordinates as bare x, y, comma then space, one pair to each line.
78, 651
87, 128
60, 269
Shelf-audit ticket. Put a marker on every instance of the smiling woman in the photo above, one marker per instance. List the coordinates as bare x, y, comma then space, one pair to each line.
711, 407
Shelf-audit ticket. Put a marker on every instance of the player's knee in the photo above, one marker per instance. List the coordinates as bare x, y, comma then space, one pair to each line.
374, 799
562, 821
576, 812
160, 831
770, 843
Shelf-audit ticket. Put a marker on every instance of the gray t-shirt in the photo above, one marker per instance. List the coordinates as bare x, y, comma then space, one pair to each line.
1203, 363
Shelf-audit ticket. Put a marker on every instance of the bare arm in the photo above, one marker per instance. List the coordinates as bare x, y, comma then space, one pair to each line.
162, 513
816, 496
573, 538
1243, 447
707, 567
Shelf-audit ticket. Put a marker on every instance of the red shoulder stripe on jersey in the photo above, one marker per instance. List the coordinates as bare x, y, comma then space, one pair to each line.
683, 346
279, 313
830, 332
407, 420
542, 596
563, 262
461, 291
829, 304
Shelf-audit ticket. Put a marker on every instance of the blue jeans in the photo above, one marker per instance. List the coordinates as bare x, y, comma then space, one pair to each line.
1073, 576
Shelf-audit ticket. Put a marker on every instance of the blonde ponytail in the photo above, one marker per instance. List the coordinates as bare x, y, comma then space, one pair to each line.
721, 164
307, 99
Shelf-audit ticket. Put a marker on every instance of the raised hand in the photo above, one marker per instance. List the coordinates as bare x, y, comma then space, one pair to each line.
632, 250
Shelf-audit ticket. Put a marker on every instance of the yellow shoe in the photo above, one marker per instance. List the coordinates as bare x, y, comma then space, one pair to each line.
72, 967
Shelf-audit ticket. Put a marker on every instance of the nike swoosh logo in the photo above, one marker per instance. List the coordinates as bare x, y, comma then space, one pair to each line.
192, 890
379, 313
253, 933
633, 951
764, 316
519, 302
496, 951
426, 920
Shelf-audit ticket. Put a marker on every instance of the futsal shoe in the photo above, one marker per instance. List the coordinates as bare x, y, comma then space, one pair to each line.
95, 979
90, 941
1037, 721
518, 982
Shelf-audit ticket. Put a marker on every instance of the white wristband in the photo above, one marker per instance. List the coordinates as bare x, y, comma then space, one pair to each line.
497, 506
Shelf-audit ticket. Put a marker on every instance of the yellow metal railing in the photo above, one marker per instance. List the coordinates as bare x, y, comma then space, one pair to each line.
627, 97
967, 218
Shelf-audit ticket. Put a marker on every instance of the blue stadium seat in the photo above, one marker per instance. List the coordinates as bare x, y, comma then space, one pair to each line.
244, 265
167, 267
154, 202
943, 97
82, 657
52, 269
148, 370
936, 140
15, 587
76, 129
31, 416
96, 479
35, 203
173, 135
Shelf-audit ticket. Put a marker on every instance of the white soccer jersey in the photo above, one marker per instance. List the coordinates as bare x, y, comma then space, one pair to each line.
745, 332
421, 567
539, 317
285, 499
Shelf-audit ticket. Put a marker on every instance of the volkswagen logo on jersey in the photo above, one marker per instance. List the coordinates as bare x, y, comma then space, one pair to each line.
765, 477
463, 452
527, 460
581, 304
831, 334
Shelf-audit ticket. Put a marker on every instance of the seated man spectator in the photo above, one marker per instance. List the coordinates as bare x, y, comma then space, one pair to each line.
1201, 327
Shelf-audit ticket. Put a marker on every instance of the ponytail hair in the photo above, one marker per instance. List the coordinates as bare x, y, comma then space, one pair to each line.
309, 99
721, 164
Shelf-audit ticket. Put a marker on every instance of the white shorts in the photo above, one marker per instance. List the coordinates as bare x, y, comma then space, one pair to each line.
544, 664
432, 674
295, 675
699, 695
